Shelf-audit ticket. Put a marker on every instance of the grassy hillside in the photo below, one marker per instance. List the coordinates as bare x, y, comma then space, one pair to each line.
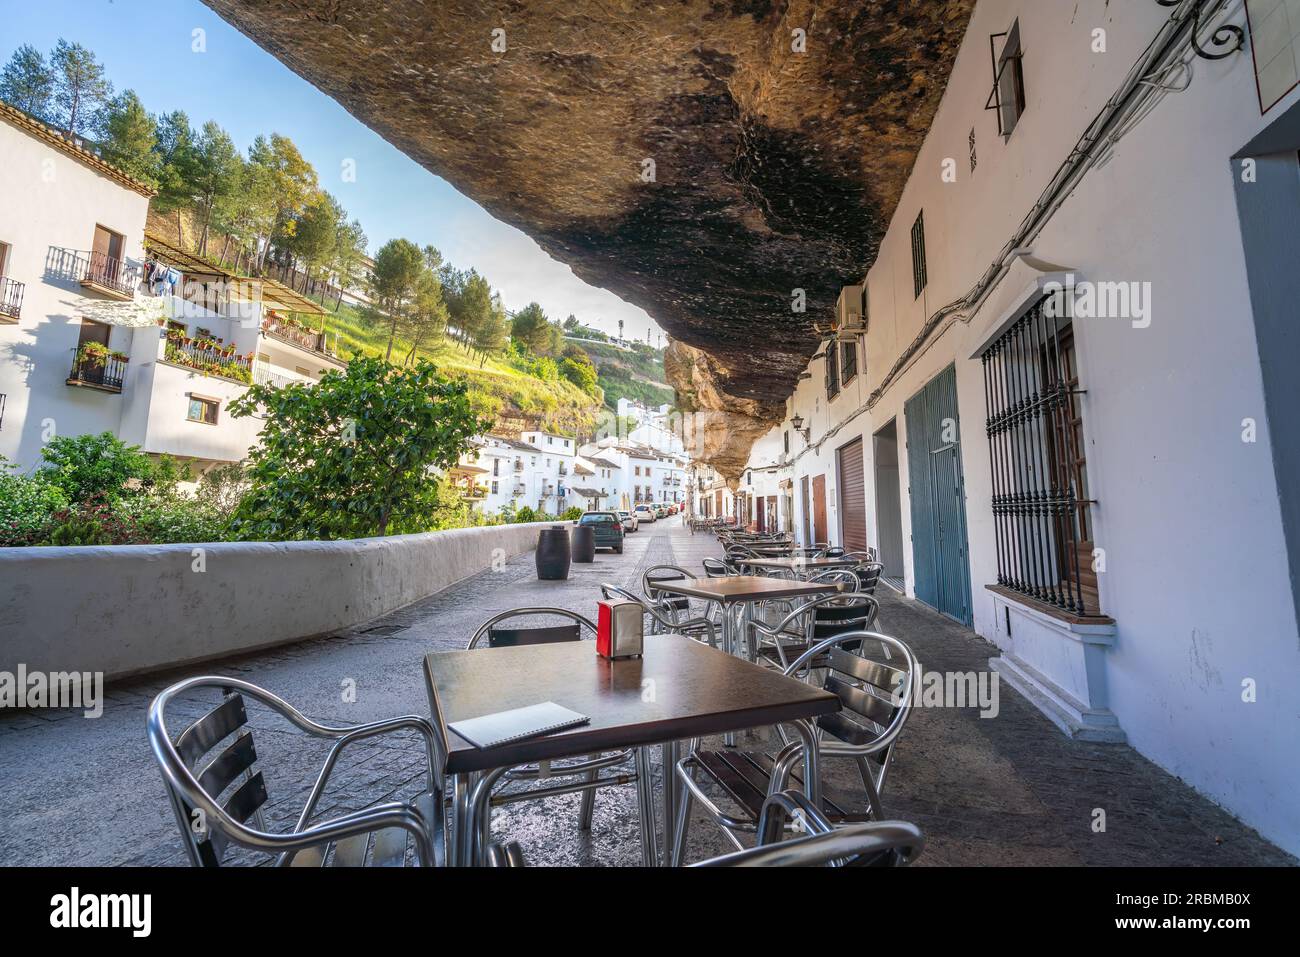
636, 374
517, 399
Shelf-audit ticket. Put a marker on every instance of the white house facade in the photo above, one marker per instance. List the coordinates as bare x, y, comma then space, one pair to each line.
1060, 404
98, 334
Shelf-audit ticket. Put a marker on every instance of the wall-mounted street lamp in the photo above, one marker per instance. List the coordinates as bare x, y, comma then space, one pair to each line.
797, 423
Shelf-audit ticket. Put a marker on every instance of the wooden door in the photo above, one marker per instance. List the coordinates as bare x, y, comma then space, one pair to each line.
761, 516
819, 509
853, 498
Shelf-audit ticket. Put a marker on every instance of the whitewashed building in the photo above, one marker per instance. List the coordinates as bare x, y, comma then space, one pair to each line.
89, 344
1062, 401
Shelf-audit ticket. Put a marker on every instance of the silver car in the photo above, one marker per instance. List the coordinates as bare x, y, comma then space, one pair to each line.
630, 523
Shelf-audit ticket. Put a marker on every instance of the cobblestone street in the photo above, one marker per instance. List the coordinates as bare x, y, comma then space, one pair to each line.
1006, 790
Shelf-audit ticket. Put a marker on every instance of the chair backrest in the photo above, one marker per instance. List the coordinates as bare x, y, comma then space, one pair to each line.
832, 551
510, 637
840, 613
715, 568
868, 575
837, 576
666, 573
874, 844
205, 844
875, 695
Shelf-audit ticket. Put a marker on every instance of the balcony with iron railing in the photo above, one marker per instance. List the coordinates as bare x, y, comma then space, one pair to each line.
293, 333
208, 357
107, 276
98, 369
11, 299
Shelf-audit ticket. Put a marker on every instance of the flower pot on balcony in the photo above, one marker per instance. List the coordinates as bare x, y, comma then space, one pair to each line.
553, 554
584, 544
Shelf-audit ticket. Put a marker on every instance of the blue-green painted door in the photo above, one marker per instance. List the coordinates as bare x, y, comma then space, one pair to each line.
938, 498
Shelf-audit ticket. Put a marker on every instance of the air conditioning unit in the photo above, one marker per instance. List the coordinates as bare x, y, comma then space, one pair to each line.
850, 313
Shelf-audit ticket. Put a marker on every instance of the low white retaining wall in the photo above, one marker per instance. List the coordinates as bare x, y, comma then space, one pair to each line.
126, 609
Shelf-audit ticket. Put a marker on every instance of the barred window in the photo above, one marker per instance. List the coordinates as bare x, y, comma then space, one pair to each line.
919, 274
832, 370
848, 361
1041, 503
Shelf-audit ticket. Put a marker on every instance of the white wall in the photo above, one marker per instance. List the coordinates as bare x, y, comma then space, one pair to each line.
127, 609
1196, 573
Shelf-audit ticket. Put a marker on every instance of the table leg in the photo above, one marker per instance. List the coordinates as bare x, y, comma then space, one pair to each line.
670, 752
729, 646
459, 815
646, 806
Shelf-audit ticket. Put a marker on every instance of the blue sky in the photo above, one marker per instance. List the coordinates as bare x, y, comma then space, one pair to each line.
147, 47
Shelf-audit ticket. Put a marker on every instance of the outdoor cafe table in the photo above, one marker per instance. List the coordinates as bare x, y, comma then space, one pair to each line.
679, 689
799, 566
742, 592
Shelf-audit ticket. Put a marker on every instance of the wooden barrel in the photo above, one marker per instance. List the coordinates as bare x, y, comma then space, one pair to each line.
584, 544
553, 554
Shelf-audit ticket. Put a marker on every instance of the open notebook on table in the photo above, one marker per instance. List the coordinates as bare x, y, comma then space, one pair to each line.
505, 726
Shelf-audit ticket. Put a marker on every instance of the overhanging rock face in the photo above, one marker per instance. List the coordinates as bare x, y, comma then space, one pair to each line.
686, 156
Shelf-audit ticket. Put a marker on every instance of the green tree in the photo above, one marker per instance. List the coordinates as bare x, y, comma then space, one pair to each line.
292, 186
80, 87
214, 178
531, 327
316, 234
577, 367
476, 319
129, 138
176, 167
27, 82
427, 321
352, 455
398, 265
492, 335
349, 256
93, 466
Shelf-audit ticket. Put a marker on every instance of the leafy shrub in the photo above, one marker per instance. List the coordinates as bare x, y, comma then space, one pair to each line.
174, 519
524, 515
571, 514
91, 523
90, 467
26, 504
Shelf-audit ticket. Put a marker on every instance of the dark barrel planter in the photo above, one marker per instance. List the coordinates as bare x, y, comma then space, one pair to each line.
553, 553
584, 544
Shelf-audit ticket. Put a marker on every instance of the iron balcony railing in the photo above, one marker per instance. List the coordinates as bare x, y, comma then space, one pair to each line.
108, 373
11, 298
109, 273
1037, 510
210, 360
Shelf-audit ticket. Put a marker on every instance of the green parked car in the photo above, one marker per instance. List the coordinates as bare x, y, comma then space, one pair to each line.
608, 529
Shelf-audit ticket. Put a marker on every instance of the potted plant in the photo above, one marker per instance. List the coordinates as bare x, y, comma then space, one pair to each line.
119, 356
92, 354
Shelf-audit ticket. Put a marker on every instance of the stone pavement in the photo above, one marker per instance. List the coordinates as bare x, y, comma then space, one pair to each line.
1004, 790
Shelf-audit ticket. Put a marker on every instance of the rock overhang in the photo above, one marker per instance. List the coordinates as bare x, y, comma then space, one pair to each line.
706, 161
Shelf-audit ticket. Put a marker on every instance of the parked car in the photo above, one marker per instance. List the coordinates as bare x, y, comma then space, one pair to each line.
661, 511
644, 513
630, 523
608, 529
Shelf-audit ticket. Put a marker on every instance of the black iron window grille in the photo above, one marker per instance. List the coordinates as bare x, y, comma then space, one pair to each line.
919, 276
832, 370
1007, 97
1041, 505
848, 361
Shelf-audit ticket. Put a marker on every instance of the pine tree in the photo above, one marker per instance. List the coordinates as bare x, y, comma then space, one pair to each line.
128, 138
80, 87
27, 82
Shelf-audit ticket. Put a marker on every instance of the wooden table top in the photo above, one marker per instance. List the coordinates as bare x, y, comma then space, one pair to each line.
736, 588
679, 689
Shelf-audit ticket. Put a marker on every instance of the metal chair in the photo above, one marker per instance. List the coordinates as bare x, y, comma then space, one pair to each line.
588, 770
810, 623
699, 629
716, 568
876, 701
377, 835
875, 844
868, 574
832, 551
673, 606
